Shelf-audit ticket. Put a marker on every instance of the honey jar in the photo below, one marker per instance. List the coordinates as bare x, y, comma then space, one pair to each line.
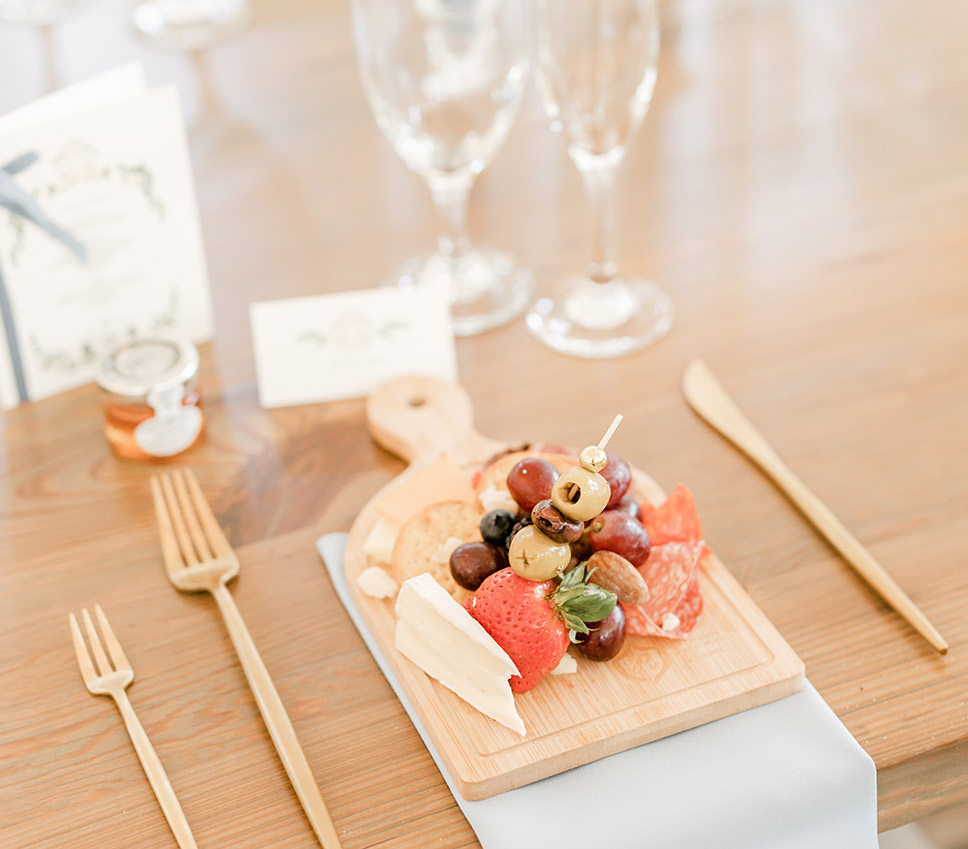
151, 402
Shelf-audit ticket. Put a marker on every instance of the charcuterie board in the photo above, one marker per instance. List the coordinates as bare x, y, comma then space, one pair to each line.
733, 660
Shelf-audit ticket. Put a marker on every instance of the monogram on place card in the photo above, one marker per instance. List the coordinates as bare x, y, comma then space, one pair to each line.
100, 240
344, 345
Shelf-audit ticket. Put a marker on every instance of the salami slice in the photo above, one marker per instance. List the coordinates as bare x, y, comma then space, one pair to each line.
675, 520
675, 602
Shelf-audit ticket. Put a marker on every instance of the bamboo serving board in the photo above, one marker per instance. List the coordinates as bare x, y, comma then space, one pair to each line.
733, 660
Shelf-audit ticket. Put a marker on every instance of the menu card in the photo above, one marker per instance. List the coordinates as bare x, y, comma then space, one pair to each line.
345, 344
100, 239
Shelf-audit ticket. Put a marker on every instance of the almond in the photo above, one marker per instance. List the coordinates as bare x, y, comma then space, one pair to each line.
613, 572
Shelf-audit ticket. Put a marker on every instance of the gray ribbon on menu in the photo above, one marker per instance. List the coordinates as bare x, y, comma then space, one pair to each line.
19, 201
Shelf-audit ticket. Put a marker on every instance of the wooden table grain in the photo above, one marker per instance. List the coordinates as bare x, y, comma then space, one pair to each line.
800, 188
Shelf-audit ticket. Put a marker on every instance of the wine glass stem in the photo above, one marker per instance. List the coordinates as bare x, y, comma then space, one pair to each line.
599, 180
450, 193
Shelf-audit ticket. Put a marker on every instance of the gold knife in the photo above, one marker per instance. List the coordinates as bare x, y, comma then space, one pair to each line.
710, 401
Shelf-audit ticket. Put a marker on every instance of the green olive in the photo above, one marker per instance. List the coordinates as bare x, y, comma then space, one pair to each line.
580, 494
592, 458
537, 557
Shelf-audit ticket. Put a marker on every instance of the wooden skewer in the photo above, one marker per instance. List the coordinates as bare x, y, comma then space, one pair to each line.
710, 401
611, 429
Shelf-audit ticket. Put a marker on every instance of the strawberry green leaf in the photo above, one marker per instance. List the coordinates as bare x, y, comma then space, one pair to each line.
578, 603
572, 578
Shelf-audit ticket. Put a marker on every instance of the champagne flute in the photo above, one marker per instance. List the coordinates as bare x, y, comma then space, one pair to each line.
445, 80
596, 69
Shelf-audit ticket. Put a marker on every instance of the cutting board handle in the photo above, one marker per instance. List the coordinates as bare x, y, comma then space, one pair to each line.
418, 418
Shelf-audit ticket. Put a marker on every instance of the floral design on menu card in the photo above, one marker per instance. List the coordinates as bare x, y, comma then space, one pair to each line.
88, 353
354, 330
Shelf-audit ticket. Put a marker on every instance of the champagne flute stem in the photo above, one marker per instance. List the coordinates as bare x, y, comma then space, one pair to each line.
48, 47
599, 180
450, 193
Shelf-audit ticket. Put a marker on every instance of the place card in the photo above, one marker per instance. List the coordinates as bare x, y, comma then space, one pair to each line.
344, 345
100, 240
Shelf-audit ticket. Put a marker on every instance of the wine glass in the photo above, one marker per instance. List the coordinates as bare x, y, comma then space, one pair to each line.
596, 69
445, 80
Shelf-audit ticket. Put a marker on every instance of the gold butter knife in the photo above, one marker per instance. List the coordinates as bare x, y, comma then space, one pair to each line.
710, 401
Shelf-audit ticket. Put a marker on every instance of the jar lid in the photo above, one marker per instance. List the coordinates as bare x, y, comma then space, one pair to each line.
144, 365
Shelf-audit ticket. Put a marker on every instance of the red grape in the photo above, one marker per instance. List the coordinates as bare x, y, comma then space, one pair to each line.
472, 562
604, 639
530, 481
630, 504
619, 476
616, 530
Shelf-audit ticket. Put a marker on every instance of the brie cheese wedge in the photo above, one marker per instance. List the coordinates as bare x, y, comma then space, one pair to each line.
447, 643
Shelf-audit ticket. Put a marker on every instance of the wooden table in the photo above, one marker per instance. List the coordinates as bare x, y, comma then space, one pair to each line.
800, 188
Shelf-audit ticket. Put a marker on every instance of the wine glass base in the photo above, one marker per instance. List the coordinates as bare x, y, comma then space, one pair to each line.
486, 287
600, 320
188, 25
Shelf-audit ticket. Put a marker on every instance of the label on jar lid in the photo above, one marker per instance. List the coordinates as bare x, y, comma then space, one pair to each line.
146, 365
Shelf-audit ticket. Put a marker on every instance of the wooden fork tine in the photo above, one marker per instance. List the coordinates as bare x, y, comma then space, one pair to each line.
114, 647
190, 514
177, 521
100, 658
216, 539
88, 672
169, 545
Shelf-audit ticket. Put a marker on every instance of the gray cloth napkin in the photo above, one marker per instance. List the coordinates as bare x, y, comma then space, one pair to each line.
786, 775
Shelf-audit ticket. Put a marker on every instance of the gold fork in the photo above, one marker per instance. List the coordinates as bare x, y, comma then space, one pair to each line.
198, 558
110, 678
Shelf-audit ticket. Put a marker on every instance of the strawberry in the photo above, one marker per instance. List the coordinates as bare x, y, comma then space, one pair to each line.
534, 621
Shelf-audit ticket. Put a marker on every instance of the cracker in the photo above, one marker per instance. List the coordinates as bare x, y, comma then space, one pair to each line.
421, 537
